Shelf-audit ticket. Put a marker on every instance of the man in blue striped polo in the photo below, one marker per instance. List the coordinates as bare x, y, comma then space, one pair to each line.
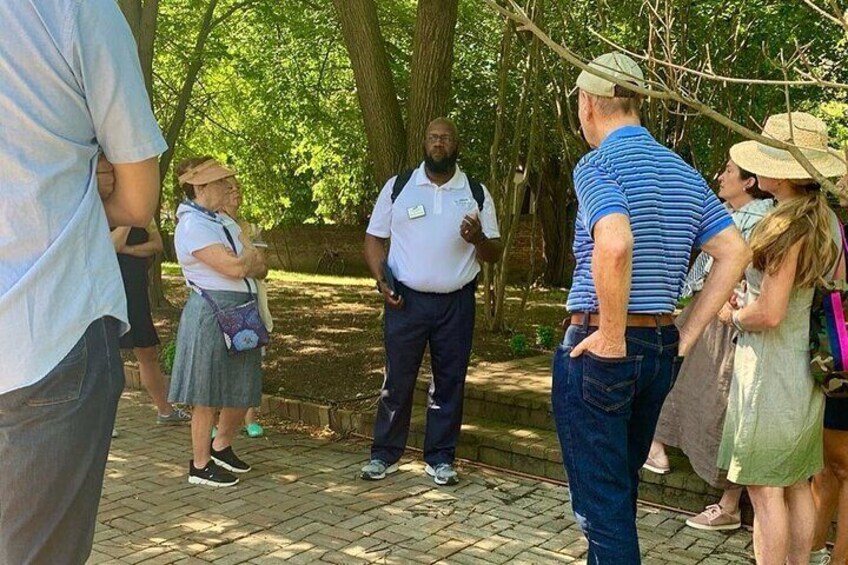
641, 212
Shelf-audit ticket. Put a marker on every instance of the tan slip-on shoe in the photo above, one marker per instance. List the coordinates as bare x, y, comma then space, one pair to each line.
715, 519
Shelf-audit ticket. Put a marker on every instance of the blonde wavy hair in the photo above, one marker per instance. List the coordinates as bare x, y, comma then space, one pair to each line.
808, 218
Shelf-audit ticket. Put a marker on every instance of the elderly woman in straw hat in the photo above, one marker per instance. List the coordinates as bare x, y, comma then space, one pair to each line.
772, 437
217, 267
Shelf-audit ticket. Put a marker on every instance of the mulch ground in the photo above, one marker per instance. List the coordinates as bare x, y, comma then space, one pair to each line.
327, 343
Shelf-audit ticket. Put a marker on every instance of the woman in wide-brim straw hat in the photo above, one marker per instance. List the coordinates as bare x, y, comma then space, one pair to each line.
772, 437
692, 416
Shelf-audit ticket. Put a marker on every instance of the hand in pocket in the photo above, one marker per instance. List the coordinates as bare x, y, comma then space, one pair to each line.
610, 384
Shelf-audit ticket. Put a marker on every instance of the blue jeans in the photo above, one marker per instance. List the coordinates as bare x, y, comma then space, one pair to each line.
606, 412
446, 323
54, 440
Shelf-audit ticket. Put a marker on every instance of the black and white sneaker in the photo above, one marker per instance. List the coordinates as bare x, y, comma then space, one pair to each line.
227, 459
212, 476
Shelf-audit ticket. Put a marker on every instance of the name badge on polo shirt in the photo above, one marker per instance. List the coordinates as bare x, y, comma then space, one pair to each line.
416, 212
465, 204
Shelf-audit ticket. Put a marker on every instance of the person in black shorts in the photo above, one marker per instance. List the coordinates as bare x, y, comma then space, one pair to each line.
136, 247
830, 486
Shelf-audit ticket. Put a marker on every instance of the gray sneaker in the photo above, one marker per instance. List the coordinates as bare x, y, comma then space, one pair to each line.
820, 557
377, 469
178, 416
443, 474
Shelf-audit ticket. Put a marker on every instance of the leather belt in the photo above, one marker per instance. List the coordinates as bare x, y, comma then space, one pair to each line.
633, 320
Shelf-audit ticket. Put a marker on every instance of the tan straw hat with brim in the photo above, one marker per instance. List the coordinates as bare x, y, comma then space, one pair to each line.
206, 172
807, 132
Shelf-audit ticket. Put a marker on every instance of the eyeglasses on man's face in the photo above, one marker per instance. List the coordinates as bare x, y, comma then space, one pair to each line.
444, 138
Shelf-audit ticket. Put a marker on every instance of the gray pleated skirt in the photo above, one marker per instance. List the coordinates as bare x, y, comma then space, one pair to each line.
204, 372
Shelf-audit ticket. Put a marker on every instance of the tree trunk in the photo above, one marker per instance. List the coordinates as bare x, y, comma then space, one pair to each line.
142, 19
146, 38
132, 12
556, 208
432, 62
375, 88
194, 66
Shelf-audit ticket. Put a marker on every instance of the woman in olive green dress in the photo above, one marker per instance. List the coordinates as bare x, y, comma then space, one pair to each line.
772, 437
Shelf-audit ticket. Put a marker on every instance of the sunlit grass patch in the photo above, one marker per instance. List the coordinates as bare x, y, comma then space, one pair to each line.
173, 269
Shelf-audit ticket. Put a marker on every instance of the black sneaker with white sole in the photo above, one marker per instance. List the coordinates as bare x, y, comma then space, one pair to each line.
227, 459
212, 476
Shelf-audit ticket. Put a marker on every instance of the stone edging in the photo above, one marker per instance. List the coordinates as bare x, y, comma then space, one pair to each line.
670, 491
308, 413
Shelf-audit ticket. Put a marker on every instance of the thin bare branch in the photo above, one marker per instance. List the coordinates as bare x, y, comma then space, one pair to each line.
809, 80
788, 101
518, 16
232, 10
822, 12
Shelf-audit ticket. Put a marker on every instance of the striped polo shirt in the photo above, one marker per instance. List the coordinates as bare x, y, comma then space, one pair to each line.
671, 210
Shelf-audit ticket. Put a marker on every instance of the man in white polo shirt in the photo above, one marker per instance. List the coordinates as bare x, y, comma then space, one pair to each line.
441, 224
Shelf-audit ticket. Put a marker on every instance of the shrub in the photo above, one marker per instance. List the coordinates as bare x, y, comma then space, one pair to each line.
545, 337
518, 345
167, 355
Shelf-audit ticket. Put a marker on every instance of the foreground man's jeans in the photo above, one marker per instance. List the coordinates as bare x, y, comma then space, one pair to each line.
54, 440
606, 412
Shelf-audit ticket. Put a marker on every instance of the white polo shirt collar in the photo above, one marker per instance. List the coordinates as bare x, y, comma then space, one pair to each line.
457, 181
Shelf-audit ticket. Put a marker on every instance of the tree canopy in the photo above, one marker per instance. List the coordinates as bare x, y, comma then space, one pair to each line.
276, 90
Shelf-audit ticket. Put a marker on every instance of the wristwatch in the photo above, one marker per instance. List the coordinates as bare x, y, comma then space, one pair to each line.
379, 282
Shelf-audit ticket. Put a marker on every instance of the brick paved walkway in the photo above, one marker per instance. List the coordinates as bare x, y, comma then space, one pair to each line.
302, 503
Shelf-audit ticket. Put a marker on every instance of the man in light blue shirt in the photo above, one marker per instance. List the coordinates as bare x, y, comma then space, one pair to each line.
71, 88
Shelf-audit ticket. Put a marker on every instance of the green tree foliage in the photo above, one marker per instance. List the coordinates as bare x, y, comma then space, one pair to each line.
275, 96
275, 101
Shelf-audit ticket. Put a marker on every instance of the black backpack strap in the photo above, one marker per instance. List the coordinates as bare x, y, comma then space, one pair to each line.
477, 191
401, 181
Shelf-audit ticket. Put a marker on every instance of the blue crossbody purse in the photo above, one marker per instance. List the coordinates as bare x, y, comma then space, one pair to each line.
241, 325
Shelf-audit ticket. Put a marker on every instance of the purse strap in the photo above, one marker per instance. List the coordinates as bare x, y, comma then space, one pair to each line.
204, 294
233, 245
206, 297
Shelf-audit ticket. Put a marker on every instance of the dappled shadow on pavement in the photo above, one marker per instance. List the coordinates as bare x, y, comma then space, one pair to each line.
303, 503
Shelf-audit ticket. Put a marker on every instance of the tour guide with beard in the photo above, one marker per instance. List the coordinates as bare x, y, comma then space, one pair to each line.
441, 225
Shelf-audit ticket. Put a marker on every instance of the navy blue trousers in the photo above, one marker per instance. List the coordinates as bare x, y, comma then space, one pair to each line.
446, 323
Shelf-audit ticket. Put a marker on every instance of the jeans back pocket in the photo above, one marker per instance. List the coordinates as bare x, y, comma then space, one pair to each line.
64, 382
610, 383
